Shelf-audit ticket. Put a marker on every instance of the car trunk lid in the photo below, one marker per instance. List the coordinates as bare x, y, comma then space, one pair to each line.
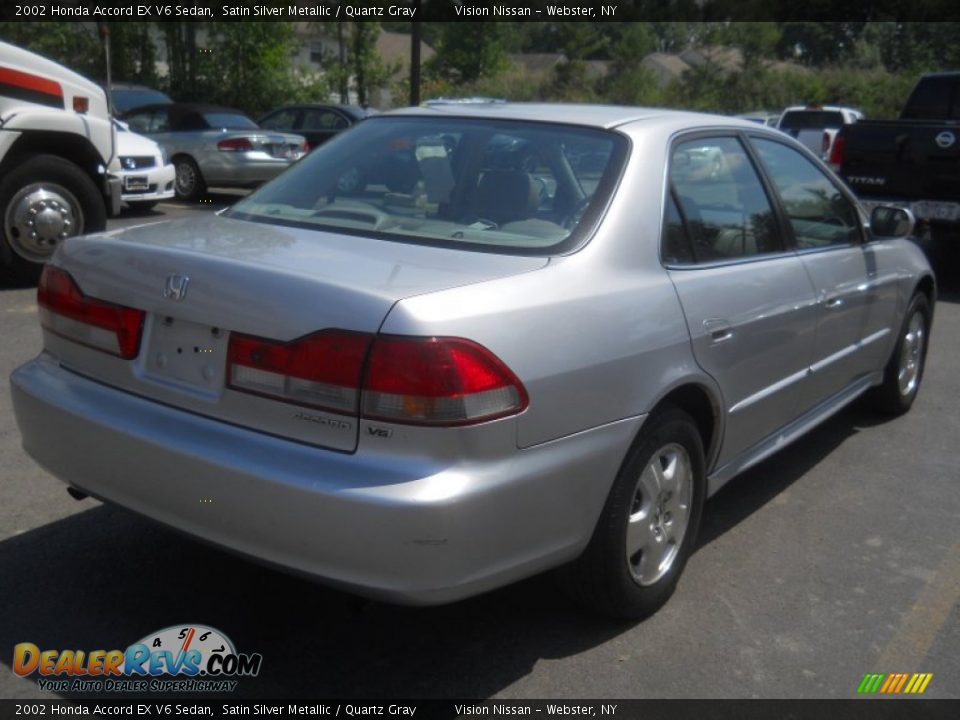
198, 281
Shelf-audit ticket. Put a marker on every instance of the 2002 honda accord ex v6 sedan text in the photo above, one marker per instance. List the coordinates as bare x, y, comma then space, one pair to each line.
464, 343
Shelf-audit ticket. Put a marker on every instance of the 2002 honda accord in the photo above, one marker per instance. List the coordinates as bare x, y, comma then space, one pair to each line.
462, 344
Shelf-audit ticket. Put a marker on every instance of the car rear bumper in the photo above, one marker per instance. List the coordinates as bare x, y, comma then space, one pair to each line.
403, 529
242, 168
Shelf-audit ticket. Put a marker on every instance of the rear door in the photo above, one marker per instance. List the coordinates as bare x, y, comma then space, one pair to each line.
748, 300
855, 297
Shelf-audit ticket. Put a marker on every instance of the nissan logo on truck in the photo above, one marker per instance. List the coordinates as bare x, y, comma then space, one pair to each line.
946, 139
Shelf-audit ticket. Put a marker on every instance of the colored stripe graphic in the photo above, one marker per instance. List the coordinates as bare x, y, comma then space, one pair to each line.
31, 88
894, 683
871, 682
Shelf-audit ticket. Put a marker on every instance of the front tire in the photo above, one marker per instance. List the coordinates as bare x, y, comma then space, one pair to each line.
45, 199
904, 371
649, 524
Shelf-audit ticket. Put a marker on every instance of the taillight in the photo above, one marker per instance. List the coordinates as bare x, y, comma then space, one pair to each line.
306, 146
438, 381
836, 153
240, 144
411, 380
66, 311
321, 370
824, 144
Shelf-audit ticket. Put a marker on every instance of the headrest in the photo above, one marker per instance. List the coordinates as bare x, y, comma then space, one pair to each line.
506, 195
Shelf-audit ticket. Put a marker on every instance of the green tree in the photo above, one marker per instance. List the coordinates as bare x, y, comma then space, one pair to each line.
628, 82
75, 45
132, 53
369, 70
466, 52
248, 65
756, 40
183, 60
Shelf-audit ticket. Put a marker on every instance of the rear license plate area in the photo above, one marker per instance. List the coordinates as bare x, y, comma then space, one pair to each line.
187, 354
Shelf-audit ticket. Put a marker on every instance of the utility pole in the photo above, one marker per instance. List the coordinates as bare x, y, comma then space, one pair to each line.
415, 55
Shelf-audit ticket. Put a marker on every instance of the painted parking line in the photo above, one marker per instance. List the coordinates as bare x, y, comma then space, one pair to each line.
921, 625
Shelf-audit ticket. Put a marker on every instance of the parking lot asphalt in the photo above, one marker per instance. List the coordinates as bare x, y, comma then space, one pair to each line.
837, 557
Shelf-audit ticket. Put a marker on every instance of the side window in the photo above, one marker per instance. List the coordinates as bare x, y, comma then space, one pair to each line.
323, 120
149, 122
139, 123
280, 120
819, 213
722, 201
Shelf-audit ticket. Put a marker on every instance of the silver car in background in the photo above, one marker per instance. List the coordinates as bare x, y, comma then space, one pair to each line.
460, 345
215, 146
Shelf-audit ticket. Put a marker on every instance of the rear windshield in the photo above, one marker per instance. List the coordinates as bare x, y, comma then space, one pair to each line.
230, 121
530, 188
811, 120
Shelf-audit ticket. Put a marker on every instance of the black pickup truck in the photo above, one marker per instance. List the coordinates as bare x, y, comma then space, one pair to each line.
913, 162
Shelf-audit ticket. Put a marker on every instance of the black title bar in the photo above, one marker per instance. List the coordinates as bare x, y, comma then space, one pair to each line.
163, 707
482, 10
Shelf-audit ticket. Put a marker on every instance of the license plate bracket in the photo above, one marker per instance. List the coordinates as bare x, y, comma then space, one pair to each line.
136, 182
187, 354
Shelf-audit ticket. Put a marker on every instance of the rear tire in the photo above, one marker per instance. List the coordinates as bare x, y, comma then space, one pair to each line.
45, 199
189, 183
904, 370
649, 524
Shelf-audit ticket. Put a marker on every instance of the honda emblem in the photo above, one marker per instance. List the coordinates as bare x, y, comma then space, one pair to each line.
176, 287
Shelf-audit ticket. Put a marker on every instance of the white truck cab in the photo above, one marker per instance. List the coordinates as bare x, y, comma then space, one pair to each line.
57, 158
816, 126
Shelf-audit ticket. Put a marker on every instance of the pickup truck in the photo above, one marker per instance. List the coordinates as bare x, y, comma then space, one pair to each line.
913, 162
816, 126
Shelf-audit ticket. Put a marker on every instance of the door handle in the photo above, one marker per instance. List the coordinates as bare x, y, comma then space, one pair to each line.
718, 329
833, 303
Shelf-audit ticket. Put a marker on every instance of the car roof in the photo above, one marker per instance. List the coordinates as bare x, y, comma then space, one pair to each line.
130, 86
183, 108
821, 108
352, 110
599, 116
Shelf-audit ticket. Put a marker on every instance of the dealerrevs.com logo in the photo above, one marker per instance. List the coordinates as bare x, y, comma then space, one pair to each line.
180, 658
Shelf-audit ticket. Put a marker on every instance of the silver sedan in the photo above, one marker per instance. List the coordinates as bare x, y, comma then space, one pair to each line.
463, 344
216, 146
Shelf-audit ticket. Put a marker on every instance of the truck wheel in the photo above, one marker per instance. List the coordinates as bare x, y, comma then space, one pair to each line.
45, 199
189, 184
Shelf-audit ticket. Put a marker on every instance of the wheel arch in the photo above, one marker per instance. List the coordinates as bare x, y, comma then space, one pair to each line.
928, 286
704, 405
68, 146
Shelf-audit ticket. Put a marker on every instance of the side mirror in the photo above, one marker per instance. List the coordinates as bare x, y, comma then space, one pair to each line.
891, 221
